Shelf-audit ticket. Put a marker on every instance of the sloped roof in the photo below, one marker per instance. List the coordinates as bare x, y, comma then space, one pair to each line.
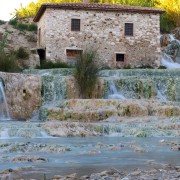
96, 7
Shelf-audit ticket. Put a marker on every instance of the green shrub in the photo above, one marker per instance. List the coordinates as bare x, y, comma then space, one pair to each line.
86, 73
2, 22
162, 67
51, 65
13, 22
22, 53
32, 27
166, 25
8, 63
22, 26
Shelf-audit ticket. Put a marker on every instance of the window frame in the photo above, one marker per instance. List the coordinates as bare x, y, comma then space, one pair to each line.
73, 26
73, 57
127, 30
121, 61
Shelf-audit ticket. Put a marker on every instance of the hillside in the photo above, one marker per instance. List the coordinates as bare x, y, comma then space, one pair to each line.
17, 38
23, 39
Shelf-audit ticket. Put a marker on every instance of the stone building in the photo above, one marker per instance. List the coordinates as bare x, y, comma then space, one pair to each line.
122, 35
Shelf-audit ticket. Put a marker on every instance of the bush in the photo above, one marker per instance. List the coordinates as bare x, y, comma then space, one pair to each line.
8, 63
162, 67
86, 73
22, 53
21, 26
2, 22
13, 22
32, 27
51, 65
166, 25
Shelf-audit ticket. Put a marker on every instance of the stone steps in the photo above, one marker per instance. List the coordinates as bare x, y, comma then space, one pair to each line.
101, 109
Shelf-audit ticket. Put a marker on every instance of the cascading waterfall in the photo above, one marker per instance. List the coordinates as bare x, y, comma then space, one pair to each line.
166, 59
113, 92
4, 111
168, 62
54, 89
160, 95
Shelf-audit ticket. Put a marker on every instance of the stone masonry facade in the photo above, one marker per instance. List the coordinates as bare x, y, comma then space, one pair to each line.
103, 31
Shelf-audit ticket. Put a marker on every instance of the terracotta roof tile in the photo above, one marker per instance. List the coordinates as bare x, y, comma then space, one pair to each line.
97, 7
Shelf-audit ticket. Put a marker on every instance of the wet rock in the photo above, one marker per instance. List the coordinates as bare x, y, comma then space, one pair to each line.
57, 177
137, 148
176, 33
68, 177
29, 159
114, 147
165, 40
34, 147
101, 145
66, 129
176, 148
94, 151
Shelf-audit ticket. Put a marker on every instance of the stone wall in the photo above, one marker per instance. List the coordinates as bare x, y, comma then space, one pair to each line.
23, 93
42, 26
103, 31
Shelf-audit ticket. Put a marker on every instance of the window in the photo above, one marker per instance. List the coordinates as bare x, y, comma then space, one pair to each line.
128, 29
75, 24
73, 53
120, 57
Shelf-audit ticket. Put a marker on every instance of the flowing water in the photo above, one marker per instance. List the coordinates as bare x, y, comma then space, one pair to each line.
28, 146
166, 58
4, 111
66, 155
113, 92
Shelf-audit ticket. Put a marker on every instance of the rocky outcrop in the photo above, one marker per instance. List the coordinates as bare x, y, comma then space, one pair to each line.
23, 94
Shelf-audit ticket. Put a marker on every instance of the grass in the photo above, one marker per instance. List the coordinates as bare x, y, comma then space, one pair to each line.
22, 26
21, 53
86, 73
51, 65
8, 63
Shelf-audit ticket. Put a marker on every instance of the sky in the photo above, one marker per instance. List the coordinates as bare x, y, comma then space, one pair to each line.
7, 7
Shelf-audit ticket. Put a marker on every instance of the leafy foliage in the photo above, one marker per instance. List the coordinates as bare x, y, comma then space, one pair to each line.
172, 8
86, 73
166, 24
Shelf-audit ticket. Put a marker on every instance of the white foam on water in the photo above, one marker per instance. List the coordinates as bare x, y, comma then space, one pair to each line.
4, 110
160, 96
171, 37
114, 94
167, 61
4, 134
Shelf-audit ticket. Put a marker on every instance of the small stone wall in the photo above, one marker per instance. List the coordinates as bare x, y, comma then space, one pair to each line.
23, 93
